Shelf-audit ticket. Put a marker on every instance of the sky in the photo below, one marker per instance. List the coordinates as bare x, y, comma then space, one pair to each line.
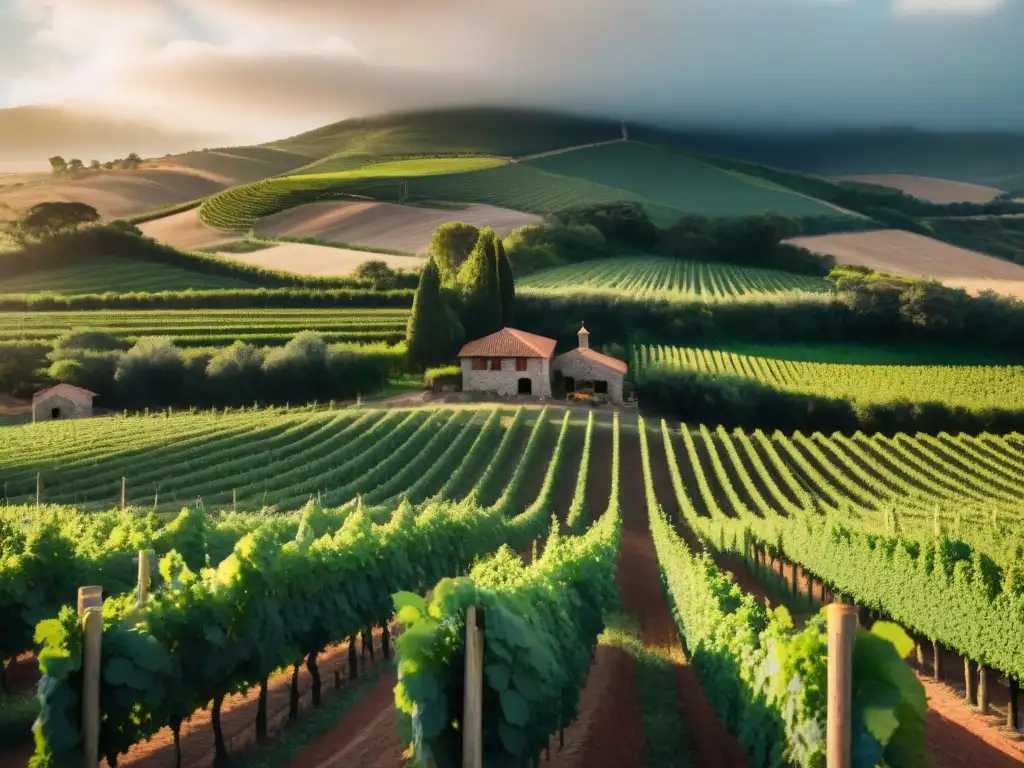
262, 69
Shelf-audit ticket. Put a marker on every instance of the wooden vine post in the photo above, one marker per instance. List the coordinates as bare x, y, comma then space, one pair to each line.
842, 633
472, 703
1012, 715
39, 488
124, 493
145, 563
983, 705
90, 613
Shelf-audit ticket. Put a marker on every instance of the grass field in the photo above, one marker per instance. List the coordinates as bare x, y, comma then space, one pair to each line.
668, 184
677, 181
213, 327
238, 208
974, 387
860, 353
655, 278
116, 274
480, 131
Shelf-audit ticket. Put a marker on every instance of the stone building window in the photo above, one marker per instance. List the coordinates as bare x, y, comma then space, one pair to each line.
600, 387
479, 363
520, 363
495, 363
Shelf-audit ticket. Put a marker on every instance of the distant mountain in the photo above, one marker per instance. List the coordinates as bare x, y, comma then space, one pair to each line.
29, 135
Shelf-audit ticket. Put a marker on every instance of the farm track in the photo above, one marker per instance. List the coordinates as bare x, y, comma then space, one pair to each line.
642, 595
565, 482
238, 714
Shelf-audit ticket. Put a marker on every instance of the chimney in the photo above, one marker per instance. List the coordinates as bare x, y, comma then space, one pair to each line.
584, 336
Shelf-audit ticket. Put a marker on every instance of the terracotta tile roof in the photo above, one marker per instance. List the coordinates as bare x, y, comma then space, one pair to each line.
593, 355
510, 342
65, 388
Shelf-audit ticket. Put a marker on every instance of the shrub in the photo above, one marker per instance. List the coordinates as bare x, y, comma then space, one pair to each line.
151, 371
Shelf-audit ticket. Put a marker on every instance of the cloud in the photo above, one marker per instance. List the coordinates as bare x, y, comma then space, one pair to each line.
261, 68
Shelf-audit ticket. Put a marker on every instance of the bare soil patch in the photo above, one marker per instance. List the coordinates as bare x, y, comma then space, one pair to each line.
384, 225
906, 253
319, 260
187, 231
929, 188
115, 193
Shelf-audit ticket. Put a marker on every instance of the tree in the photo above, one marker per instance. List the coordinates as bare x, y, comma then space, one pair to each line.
378, 273
450, 246
94, 165
428, 335
478, 284
50, 218
58, 165
506, 284
75, 166
131, 162
152, 372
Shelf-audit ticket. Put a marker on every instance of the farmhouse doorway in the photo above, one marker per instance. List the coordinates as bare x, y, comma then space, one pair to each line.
55, 413
525, 387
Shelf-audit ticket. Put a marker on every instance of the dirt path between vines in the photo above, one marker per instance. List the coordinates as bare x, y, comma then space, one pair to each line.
238, 714
642, 595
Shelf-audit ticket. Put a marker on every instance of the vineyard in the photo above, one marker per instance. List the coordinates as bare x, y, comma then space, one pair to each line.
653, 278
677, 181
667, 184
124, 275
213, 327
975, 387
238, 208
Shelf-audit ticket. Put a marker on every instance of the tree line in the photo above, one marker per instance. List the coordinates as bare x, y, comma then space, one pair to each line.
466, 291
75, 167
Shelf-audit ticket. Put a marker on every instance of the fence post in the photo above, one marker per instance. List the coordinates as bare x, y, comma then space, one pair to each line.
472, 703
89, 597
92, 639
234, 499
842, 633
142, 590
39, 487
124, 493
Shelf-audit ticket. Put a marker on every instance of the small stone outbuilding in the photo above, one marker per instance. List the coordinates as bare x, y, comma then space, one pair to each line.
509, 362
62, 401
586, 370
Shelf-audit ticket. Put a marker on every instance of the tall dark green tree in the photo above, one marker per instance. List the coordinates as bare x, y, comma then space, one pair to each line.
428, 335
506, 284
478, 283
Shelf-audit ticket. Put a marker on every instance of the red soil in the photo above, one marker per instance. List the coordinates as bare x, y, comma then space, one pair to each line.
642, 595
238, 715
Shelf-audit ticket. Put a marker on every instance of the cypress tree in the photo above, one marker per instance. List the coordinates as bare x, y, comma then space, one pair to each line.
478, 279
428, 335
506, 284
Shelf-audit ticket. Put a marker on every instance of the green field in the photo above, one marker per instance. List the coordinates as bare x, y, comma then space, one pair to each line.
668, 185
973, 387
238, 208
644, 278
478, 131
116, 274
677, 181
213, 327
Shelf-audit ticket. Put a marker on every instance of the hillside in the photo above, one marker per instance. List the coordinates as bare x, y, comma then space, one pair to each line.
989, 159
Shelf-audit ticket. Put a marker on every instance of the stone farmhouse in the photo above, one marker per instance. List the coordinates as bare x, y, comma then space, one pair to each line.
513, 362
62, 401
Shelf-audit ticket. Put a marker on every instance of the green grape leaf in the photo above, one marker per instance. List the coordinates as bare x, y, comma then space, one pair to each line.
497, 676
896, 635
525, 682
411, 600
514, 707
119, 671
877, 703
513, 739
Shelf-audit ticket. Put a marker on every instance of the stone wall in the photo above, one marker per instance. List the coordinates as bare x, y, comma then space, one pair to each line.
581, 369
42, 409
506, 381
